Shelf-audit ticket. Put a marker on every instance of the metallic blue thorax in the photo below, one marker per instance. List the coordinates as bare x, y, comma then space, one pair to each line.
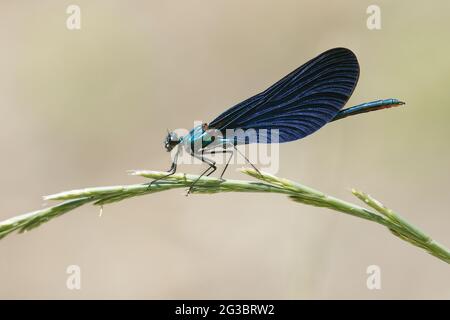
199, 138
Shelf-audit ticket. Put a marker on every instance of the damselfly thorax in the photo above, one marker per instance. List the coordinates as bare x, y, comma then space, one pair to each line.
202, 138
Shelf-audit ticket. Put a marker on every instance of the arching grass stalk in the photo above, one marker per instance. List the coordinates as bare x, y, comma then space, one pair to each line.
267, 184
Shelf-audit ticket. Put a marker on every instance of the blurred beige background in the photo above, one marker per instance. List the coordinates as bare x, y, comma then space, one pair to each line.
79, 108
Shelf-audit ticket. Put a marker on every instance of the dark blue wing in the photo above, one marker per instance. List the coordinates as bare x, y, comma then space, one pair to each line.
300, 103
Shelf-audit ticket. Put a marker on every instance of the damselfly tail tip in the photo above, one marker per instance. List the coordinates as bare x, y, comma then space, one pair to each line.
393, 103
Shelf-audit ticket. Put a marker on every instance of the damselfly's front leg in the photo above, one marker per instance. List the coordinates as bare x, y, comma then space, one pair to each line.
171, 171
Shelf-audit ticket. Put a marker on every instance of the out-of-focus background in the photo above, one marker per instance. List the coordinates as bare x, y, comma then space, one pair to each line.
78, 108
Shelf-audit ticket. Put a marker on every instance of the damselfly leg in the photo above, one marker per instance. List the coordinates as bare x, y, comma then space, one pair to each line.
171, 171
212, 164
227, 162
248, 161
212, 167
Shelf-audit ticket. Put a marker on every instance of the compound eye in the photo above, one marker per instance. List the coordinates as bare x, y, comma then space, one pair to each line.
173, 136
204, 126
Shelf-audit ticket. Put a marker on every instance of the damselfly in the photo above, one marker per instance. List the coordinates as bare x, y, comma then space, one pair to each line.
296, 106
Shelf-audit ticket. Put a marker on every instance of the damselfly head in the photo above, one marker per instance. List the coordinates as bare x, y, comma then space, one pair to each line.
171, 141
